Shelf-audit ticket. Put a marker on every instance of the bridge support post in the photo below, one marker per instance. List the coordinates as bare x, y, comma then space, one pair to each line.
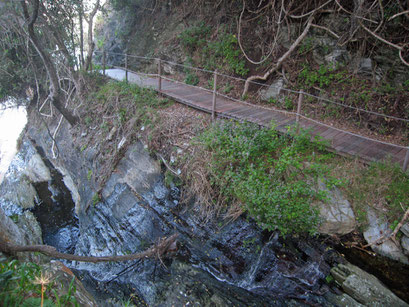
159, 76
297, 117
406, 162
214, 96
126, 67
103, 62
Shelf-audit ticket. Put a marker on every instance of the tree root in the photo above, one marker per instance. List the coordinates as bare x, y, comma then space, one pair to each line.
280, 60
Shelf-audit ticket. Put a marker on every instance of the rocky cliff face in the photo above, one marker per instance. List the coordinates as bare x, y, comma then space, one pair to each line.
235, 263
213, 264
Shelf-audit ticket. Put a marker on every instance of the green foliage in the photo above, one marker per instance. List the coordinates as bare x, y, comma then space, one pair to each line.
195, 37
96, 199
272, 176
288, 103
190, 77
127, 101
88, 120
89, 175
19, 286
306, 46
123, 115
383, 184
321, 77
227, 88
172, 180
225, 52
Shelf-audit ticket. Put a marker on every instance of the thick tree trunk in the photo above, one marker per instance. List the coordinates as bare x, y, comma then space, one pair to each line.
55, 91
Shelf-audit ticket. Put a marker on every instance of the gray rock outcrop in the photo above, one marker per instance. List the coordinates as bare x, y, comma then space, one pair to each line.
364, 287
378, 228
336, 214
274, 90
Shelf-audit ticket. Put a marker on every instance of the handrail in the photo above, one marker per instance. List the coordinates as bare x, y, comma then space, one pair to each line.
264, 85
296, 114
290, 113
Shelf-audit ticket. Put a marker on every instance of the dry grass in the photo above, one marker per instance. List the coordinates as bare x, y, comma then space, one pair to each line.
174, 139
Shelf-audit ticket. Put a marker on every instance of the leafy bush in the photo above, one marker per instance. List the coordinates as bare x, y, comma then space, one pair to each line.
271, 175
219, 54
321, 77
225, 51
194, 37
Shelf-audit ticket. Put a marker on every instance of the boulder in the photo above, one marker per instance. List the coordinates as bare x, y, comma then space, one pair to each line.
364, 287
365, 66
36, 170
405, 244
343, 300
336, 214
274, 90
24, 230
405, 229
337, 58
378, 228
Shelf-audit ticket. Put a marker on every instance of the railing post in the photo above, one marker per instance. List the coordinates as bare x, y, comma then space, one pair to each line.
406, 162
126, 67
297, 117
103, 62
214, 95
159, 75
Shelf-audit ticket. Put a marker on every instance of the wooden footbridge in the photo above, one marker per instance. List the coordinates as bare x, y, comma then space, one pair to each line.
341, 141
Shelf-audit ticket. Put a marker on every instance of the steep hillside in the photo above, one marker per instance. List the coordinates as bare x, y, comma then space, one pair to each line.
340, 57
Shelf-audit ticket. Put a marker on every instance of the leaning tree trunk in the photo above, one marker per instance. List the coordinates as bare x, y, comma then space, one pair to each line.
55, 90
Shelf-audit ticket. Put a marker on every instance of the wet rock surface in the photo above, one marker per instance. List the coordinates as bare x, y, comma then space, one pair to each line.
216, 264
236, 263
36, 203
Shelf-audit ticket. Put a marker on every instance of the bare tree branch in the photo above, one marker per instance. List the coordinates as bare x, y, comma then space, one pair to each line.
280, 60
398, 14
157, 250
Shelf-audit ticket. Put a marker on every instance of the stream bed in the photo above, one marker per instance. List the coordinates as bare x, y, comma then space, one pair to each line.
214, 263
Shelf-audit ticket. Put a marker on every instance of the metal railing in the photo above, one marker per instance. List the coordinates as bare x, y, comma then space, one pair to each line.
214, 90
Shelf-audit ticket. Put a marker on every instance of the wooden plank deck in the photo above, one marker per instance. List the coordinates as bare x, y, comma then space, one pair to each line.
340, 142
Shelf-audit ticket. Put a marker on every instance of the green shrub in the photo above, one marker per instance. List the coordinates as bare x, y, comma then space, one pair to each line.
191, 79
271, 175
225, 52
321, 77
20, 286
194, 37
